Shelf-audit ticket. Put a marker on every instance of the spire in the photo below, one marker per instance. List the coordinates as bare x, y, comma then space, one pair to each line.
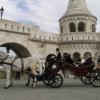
77, 7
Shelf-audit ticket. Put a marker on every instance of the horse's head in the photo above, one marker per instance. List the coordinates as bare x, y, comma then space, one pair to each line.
3, 56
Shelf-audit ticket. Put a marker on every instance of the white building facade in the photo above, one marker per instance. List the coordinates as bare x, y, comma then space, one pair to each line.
77, 34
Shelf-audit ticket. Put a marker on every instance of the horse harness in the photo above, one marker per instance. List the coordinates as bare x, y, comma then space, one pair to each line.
22, 63
12, 64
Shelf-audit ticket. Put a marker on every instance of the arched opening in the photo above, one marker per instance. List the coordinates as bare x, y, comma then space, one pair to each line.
81, 27
76, 57
61, 29
18, 49
72, 27
93, 28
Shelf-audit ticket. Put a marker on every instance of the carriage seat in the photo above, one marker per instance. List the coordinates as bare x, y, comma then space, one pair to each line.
70, 66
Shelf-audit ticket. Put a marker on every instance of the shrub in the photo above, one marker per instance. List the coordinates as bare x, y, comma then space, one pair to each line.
2, 75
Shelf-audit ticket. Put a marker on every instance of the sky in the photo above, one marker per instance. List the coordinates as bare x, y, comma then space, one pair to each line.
44, 13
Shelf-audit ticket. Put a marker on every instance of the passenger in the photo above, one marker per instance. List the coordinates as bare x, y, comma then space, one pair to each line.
17, 75
88, 59
76, 58
67, 58
98, 63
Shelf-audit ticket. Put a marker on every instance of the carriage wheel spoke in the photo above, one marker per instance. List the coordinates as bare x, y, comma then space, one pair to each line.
95, 79
56, 81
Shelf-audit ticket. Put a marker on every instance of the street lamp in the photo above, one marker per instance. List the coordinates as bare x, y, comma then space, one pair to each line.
1, 11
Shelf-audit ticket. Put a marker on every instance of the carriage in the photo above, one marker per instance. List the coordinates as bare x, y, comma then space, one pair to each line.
51, 77
87, 74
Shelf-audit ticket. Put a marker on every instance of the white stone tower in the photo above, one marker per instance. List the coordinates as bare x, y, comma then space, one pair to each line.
78, 30
77, 18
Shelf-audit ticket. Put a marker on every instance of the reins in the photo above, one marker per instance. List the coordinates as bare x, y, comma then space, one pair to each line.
4, 58
7, 63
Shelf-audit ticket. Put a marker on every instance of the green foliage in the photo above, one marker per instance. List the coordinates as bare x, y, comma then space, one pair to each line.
2, 75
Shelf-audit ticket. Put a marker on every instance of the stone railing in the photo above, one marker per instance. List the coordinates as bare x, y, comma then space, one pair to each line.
43, 38
69, 38
12, 26
79, 33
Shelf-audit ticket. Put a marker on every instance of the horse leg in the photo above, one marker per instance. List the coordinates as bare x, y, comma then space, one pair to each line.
34, 81
8, 74
11, 78
29, 78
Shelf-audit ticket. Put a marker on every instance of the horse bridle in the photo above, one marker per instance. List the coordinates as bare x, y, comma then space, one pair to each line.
7, 63
2, 60
5, 57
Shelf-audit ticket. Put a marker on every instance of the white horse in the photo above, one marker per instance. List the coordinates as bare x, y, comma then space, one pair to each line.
10, 63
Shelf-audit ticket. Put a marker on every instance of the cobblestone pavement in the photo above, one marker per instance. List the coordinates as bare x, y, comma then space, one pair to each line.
72, 89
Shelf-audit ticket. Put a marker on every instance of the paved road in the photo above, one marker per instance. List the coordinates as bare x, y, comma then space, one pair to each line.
71, 90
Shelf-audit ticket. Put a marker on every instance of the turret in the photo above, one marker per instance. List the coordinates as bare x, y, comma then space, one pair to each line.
77, 18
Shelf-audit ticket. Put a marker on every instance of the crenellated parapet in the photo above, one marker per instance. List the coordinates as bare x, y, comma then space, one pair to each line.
16, 27
35, 34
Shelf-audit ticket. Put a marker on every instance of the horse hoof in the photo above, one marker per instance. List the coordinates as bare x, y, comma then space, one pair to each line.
6, 87
10, 85
33, 86
27, 84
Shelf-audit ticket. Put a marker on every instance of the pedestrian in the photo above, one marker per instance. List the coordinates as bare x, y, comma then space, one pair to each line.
17, 75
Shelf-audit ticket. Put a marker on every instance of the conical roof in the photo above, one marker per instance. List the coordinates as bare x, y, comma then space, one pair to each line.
77, 7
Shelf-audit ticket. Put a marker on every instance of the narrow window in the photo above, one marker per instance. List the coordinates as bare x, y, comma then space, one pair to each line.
28, 30
61, 29
72, 27
11, 27
81, 27
93, 28
5, 26
23, 29
17, 28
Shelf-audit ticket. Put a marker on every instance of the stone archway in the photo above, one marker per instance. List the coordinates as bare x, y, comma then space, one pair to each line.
19, 49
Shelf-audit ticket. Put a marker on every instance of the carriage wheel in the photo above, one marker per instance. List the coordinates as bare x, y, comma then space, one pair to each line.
55, 80
85, 80
95, 78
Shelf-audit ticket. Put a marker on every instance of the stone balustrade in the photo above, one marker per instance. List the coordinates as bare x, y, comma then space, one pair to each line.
38, 35
12, 26
69, 38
